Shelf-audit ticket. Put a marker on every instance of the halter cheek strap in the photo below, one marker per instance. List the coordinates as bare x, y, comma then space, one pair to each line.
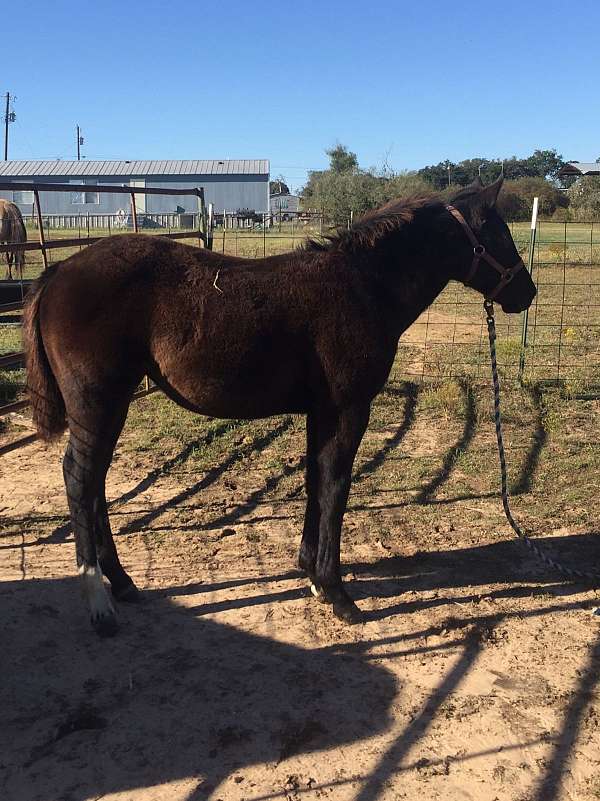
479, 252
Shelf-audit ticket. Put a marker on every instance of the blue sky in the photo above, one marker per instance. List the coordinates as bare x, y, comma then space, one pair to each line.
410, 83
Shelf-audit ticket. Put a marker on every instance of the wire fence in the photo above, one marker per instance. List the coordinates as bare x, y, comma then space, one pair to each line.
450, 338
562, 327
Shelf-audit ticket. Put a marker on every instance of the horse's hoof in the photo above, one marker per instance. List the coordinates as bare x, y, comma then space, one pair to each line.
319, 594
128, 594
105, 625
348, 612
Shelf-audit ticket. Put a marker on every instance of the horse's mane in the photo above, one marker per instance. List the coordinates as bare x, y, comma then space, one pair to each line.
375, 225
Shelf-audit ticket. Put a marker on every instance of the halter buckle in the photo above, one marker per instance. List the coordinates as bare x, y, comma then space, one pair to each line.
479, 250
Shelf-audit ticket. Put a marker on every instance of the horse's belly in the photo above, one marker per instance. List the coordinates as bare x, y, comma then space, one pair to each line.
245, 388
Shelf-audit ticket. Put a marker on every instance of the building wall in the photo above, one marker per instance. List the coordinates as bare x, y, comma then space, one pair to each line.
284, 203
227, 192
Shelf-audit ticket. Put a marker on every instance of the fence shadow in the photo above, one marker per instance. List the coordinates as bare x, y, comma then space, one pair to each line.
507, 562
410, 394
178, 697
524, 482
59, 533
172, 697
428, 491
500, 563
550, 788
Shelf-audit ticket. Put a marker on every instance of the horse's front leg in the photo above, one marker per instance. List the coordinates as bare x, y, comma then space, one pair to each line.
339, 434
121, 584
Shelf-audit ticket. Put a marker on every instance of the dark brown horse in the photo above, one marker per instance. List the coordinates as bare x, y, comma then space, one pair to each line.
12, 230
314, 331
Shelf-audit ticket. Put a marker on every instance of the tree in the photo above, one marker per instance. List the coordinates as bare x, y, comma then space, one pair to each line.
541, 164
341, 159
546, 163
278, 186
584, 198
516, 198
337, 193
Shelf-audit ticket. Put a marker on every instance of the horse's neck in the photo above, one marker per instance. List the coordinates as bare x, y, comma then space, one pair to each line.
416, 271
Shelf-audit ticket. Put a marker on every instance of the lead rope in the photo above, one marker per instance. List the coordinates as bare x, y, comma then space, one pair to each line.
567, 571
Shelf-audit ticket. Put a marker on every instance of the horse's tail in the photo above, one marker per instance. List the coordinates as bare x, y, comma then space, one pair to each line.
47, 403
19, 235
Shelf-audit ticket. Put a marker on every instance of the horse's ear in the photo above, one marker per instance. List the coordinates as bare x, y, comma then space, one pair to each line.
489, 194
477, 183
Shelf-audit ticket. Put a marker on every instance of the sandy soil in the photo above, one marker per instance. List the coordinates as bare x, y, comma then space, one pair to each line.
475, 675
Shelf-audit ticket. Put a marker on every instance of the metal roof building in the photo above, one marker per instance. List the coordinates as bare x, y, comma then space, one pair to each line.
230, 185
580, 168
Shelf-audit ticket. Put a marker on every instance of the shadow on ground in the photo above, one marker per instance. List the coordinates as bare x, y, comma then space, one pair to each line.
174, 696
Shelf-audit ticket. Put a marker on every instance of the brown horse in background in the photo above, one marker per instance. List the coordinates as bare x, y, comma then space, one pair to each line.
313, 331
12, 231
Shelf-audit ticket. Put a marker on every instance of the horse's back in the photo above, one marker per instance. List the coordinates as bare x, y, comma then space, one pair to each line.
228, 337
205, 325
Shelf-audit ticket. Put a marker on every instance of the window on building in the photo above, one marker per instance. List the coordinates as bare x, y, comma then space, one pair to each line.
23, 196
84, 198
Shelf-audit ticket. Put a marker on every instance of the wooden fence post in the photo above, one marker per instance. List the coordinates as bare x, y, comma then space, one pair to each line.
134, 213
38, 211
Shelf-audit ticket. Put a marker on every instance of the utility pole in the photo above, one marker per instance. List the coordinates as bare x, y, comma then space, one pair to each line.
9, 116
79, 143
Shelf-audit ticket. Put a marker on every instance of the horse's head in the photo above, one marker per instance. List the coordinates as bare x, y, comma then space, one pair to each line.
489, 260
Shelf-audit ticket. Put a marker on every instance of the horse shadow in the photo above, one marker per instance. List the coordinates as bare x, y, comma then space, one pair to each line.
173, 697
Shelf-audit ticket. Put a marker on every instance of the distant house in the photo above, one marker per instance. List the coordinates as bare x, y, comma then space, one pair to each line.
231, 185
579, 168
282, 204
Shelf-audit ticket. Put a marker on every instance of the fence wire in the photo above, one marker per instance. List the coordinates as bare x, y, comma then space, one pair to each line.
563, 325
449, 339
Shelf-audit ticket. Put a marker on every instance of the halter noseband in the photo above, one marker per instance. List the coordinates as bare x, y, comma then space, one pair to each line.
479, 252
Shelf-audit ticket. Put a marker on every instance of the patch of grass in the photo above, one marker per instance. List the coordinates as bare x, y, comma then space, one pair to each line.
446, 397
12, 383
156, 424
10, 338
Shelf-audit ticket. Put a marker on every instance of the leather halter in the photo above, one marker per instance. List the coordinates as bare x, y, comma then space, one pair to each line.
479, 252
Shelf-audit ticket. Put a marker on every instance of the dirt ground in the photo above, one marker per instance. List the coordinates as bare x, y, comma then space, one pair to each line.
475, 675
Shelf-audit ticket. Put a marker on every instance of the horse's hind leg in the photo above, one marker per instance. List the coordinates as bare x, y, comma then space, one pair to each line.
87, 458
83, 478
